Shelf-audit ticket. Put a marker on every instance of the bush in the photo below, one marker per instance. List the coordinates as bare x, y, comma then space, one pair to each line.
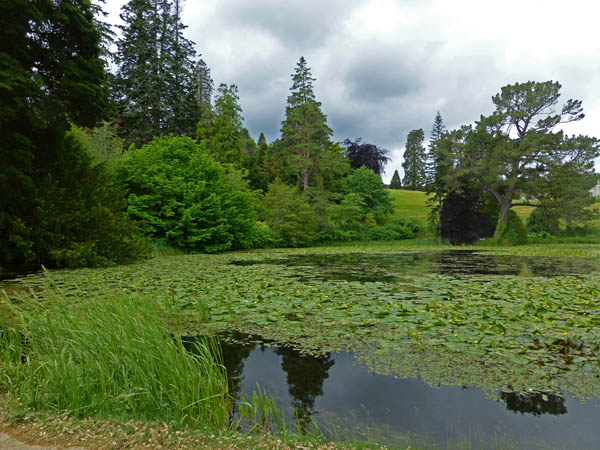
81, 216
542, 237
289, 215
181, 195
514, 233
376, 199
542, 221
395, 231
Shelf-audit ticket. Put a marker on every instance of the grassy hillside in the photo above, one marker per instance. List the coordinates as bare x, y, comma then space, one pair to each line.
410, 204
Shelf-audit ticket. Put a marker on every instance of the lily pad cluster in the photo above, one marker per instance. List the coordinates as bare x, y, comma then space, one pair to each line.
497, 332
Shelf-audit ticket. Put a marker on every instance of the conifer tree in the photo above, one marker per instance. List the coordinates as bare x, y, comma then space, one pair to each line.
433, 156
155, 79
204, 94
257, 179
396, 183
305, 135
225, 142
437, 166
55, 207
414, 161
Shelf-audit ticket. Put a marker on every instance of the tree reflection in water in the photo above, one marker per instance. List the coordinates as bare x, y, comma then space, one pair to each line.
536, 403
305, 378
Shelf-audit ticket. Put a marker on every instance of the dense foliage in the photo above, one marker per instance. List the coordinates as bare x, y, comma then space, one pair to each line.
414, 161
157, 91
57, 206
369, 155
182, 196
376, 199
289, 215
517, 150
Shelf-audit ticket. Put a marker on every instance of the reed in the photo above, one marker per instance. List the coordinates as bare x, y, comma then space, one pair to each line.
111, 357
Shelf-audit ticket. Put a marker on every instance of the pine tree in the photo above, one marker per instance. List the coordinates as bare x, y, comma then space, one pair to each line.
204, 94
225, 142
257, 180
414, 161
155, 79
433, 156
436, 168
395, 183
305, 135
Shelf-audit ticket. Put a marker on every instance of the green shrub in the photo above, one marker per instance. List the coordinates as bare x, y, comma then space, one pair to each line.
111, 358
542, 221
376, 199
542, 237
399, 229
289, 215
181, 195
514, 233
81, 218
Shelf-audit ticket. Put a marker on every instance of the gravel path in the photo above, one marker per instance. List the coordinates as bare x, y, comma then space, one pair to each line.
8, 443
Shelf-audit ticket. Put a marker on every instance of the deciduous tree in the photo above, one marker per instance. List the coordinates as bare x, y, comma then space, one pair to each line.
369, 155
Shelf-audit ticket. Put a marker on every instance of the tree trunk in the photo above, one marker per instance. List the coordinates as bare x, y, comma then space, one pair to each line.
503, 216
305, 179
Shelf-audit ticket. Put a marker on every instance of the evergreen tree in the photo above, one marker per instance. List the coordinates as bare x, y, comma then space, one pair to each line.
55, 208
257, 180
395, 183
414, 161
436, 168
155, 79
305, 135
204, 94
433, 156
247, 152
225, 142
178, 55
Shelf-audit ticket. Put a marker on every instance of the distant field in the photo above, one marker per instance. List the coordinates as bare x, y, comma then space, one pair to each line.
410, 204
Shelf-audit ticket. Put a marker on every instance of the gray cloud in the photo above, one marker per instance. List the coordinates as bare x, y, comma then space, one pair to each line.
384, 67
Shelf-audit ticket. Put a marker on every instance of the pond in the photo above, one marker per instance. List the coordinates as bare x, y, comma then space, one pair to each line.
345, 399
428, 347
389, 267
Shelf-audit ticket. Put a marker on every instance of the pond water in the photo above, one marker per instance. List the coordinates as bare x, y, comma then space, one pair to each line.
346, 400
390, 266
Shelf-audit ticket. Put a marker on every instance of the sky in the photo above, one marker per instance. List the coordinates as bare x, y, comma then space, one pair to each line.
385, 67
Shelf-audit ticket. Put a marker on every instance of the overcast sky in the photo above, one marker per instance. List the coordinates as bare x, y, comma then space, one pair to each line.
384, 67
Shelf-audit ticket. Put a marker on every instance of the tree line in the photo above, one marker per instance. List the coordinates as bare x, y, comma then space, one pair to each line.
516, 156
99, 164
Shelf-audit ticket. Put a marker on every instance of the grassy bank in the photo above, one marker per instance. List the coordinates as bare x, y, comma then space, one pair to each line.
109, 357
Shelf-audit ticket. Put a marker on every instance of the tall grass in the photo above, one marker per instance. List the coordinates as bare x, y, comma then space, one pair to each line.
110, 357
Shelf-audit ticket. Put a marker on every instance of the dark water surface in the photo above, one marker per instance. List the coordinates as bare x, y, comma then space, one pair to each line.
389, 266
346, 400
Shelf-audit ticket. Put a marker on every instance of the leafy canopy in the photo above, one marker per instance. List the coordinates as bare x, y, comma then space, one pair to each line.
181, 195
368, 185
369, 155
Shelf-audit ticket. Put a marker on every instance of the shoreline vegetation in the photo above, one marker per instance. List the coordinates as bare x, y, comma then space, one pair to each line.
55, 326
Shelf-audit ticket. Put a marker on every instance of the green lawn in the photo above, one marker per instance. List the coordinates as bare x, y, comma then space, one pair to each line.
410, 204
